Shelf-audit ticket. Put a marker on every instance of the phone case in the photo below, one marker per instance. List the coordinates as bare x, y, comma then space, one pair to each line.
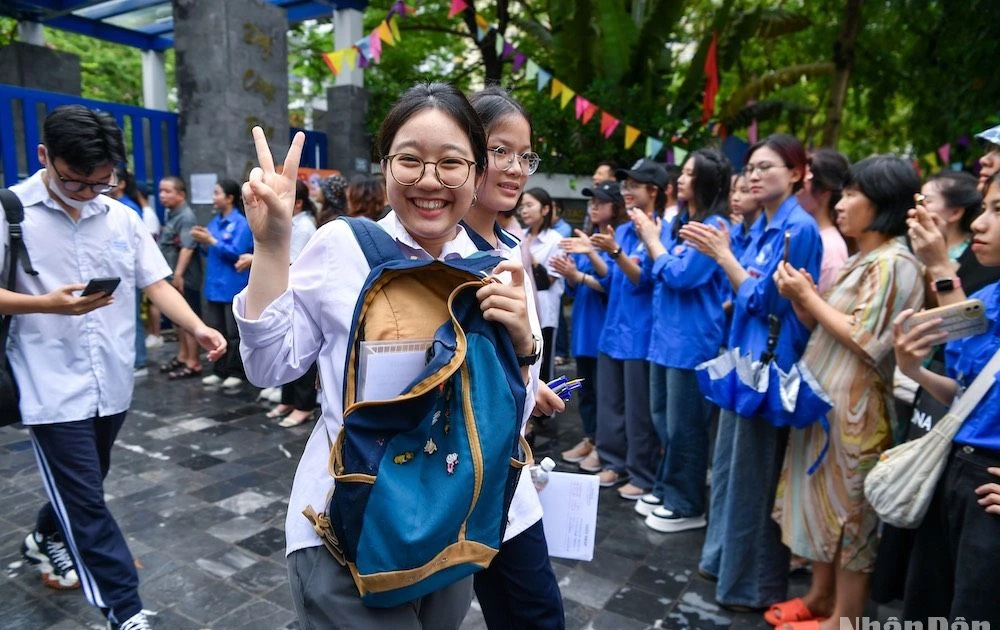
965, 319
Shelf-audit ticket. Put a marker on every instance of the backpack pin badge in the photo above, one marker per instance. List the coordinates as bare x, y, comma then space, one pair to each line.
430, 448
403, 457
451, 461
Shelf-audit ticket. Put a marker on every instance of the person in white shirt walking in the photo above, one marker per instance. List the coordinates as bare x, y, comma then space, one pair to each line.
72, 355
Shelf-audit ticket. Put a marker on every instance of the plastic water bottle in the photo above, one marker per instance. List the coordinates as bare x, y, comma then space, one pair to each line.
540, 472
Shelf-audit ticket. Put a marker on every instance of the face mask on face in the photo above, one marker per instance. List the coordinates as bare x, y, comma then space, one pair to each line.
66, 199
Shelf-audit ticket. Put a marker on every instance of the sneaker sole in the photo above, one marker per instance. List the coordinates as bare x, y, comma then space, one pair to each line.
670, 527
631, 497
645, 509
611, 484
49, 578
53, 581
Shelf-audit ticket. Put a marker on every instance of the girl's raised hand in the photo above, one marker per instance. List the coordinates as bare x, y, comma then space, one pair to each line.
269, 196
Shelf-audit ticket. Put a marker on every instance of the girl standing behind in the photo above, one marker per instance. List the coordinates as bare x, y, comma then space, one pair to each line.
542, 244
688, 328
820, 193
226, 237
582, 271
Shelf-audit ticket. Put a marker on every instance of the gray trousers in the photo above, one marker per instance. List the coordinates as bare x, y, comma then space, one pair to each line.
626, 440
326, 598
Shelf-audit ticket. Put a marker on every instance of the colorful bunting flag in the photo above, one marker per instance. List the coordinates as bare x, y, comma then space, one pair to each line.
530, 70
608, 124
384, 33
364, 47
481, 21
581, 106
944, 151
557, 88
631, 135
508, 50
394, 28
363, 62
499, 44
457, 6
653, 147
567, 95
351, 57
543, 79
680, 155
711, 79
330, 59
519, 59
375, 45
589, 113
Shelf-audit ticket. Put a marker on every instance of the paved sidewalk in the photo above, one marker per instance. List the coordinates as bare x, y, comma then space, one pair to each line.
199, 485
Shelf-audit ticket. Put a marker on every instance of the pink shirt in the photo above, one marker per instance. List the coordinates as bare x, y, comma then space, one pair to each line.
834, 257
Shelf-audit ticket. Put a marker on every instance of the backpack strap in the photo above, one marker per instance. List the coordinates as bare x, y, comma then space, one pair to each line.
14, 211
375, 242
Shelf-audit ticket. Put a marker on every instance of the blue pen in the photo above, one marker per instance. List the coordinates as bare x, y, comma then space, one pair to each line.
553, 384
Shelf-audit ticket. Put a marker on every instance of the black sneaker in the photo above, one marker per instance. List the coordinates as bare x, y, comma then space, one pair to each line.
50, 555
137, 621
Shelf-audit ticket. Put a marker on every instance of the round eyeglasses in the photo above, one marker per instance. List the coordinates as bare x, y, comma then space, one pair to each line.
503, 159
761, 168
407, 169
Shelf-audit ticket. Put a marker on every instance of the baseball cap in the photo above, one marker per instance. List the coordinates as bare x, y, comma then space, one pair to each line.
646, 172
991, 135
605, 191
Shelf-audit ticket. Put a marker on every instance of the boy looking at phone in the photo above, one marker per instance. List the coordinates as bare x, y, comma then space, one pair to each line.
73, 355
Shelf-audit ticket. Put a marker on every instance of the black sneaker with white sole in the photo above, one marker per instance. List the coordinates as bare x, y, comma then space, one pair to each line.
50, 555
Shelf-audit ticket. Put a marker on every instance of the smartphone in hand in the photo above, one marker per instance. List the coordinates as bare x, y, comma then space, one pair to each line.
964, 319
106, 286
788, 242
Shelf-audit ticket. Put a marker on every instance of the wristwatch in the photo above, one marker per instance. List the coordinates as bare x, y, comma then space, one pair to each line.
616, 253
946, 285
524, 360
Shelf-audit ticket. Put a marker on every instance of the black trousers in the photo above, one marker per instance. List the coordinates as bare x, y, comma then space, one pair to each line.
301, 393
219, 315
953, 568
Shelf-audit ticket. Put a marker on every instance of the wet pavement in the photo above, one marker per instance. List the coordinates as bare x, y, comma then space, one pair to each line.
199, 485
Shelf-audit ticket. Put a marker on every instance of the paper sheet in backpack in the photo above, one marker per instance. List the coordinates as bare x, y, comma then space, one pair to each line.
569, 504
388, 367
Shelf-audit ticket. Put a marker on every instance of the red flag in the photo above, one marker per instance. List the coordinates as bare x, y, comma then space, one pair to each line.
711, 79
457, 6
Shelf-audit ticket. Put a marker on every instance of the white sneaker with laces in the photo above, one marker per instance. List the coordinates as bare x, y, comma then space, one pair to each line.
663, 520
154, 341
138, 621
232, 382
211, 379
50, 555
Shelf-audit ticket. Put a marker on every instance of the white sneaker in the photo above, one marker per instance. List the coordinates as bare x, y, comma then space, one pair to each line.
663, 520
50, 555
138, 621
232, 382
154, 341
265, 394
275, 396
141, 372
647, 503
211, 379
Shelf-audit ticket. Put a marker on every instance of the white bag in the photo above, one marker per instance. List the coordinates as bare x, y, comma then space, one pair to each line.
902, 483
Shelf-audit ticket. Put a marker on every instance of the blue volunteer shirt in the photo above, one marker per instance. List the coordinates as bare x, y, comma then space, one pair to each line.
629, 319
689, 324
758, 296
589, 310
222, 281
965, 359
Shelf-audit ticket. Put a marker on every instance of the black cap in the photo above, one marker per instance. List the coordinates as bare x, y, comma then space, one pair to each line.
646, 172
605, 191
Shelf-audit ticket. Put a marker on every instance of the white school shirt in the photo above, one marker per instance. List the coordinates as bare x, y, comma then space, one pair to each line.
303, 227
74, 367
544, 248
311, 321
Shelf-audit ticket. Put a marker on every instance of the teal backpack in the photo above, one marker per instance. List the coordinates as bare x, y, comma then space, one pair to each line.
423, 481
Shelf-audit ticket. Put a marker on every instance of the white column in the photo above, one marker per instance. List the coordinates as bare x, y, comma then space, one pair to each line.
30, 33
347, 29
154, 80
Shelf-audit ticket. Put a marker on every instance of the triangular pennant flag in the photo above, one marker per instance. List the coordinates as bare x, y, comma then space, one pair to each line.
679, 156
653, 147
481, 21
364, 47
508, 50
944, 152
394, 28
608, 124
543, 79
567, 95
557, 88
384, 33
332, 62
457, 6
363, 62
932, 159
631, 135
375, 45
581, 106
499, 44
480, 33
589, 113
519, 59
351, 57
530, 70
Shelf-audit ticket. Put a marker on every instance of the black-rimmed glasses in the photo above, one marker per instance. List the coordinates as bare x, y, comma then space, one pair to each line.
72, 185
503, 159
407, 169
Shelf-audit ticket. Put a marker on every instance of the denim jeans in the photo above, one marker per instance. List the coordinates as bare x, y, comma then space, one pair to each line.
743, 544
140, 333
681, 417
626, 441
